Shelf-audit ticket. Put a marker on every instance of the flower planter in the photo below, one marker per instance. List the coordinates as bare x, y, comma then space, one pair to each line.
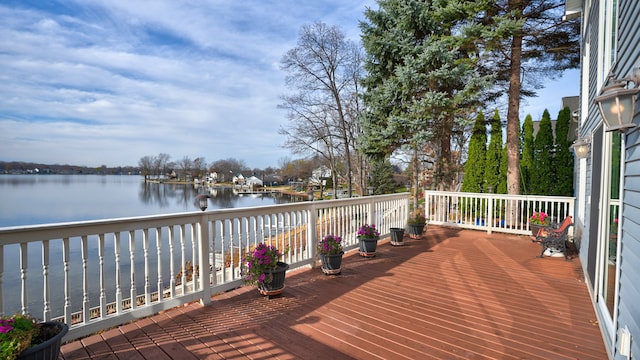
50, 349
331, 263
397, 235
276, 285
368, 246
415, 230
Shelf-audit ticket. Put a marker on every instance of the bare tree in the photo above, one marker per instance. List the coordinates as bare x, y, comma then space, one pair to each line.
199, 167
323, 68
146, 166
186, 166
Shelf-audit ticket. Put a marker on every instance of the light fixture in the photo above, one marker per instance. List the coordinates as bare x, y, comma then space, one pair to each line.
580, 148
202, 201
617, 102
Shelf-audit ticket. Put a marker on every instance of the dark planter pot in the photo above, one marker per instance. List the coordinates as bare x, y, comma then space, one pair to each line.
50, 349
276, 285
397, 235
368, 246
331, 263
416, 230
535, 228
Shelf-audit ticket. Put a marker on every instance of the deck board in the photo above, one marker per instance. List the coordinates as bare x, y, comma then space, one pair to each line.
454, 294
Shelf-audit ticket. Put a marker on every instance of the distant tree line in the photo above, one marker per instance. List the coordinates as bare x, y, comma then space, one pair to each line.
21, 167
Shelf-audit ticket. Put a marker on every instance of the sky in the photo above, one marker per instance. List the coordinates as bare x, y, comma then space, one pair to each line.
106, 82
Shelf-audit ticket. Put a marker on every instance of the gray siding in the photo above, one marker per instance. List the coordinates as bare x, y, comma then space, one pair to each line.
629, 306
627, 57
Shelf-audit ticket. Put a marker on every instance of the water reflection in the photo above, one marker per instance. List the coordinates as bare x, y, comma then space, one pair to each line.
44, 199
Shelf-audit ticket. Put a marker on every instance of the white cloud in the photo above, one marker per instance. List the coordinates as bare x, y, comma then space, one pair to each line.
109, 81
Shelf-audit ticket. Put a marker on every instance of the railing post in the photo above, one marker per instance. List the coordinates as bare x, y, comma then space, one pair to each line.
312, 231
203, 252
370, 218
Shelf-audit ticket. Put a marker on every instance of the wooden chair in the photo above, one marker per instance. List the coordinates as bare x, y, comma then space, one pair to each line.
555, 237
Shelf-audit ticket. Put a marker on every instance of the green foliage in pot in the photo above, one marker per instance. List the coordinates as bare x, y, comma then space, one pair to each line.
17, 333
367, 231
417, 218
330, 245
258, 264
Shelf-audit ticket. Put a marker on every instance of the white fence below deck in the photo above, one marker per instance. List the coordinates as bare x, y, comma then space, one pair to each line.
493, 212
94, 275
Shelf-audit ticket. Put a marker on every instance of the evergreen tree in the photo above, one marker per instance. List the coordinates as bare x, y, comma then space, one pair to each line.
502, 185
529, 40
563, 157
474, 167
492, 167
382, 177
421, 78
526, 162
543, 177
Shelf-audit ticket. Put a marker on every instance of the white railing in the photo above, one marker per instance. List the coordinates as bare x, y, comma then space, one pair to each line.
98, 274
493, 212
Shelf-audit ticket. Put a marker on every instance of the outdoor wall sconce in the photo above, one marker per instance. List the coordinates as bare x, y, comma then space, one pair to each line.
617, 103
202, 201
580, 148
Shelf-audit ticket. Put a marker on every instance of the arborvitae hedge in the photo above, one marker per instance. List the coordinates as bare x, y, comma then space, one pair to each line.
474, 167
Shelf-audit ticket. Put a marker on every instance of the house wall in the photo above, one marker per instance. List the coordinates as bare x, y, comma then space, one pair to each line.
595, 68
629, 288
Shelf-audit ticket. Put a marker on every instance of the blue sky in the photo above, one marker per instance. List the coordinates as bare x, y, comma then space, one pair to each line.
106, 82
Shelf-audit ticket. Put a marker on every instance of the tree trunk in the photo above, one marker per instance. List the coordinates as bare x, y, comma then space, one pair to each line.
416, 174
513, 115
513, 111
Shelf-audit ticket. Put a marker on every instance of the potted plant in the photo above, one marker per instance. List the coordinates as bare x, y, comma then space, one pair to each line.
330, 253
397, 235
416, 224
23, 337
538, 221
368, 237
262, 268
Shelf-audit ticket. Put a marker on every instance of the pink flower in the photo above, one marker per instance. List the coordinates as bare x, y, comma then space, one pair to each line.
5, 328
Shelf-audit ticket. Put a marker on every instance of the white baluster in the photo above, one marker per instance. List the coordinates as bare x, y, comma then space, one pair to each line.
196, 275
103, 295
132, 260
24, 263
46, 315
183, 260
145, 253
116, 253
67, 281
159, 253
85, 280
172, 269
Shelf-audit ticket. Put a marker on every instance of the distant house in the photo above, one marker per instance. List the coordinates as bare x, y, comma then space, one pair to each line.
319, 174
607, 181
238, 180
253, 181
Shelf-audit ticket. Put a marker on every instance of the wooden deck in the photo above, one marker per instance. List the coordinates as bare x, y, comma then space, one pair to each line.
454, 294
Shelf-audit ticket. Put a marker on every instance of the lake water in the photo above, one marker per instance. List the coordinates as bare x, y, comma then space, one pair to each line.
43, 199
